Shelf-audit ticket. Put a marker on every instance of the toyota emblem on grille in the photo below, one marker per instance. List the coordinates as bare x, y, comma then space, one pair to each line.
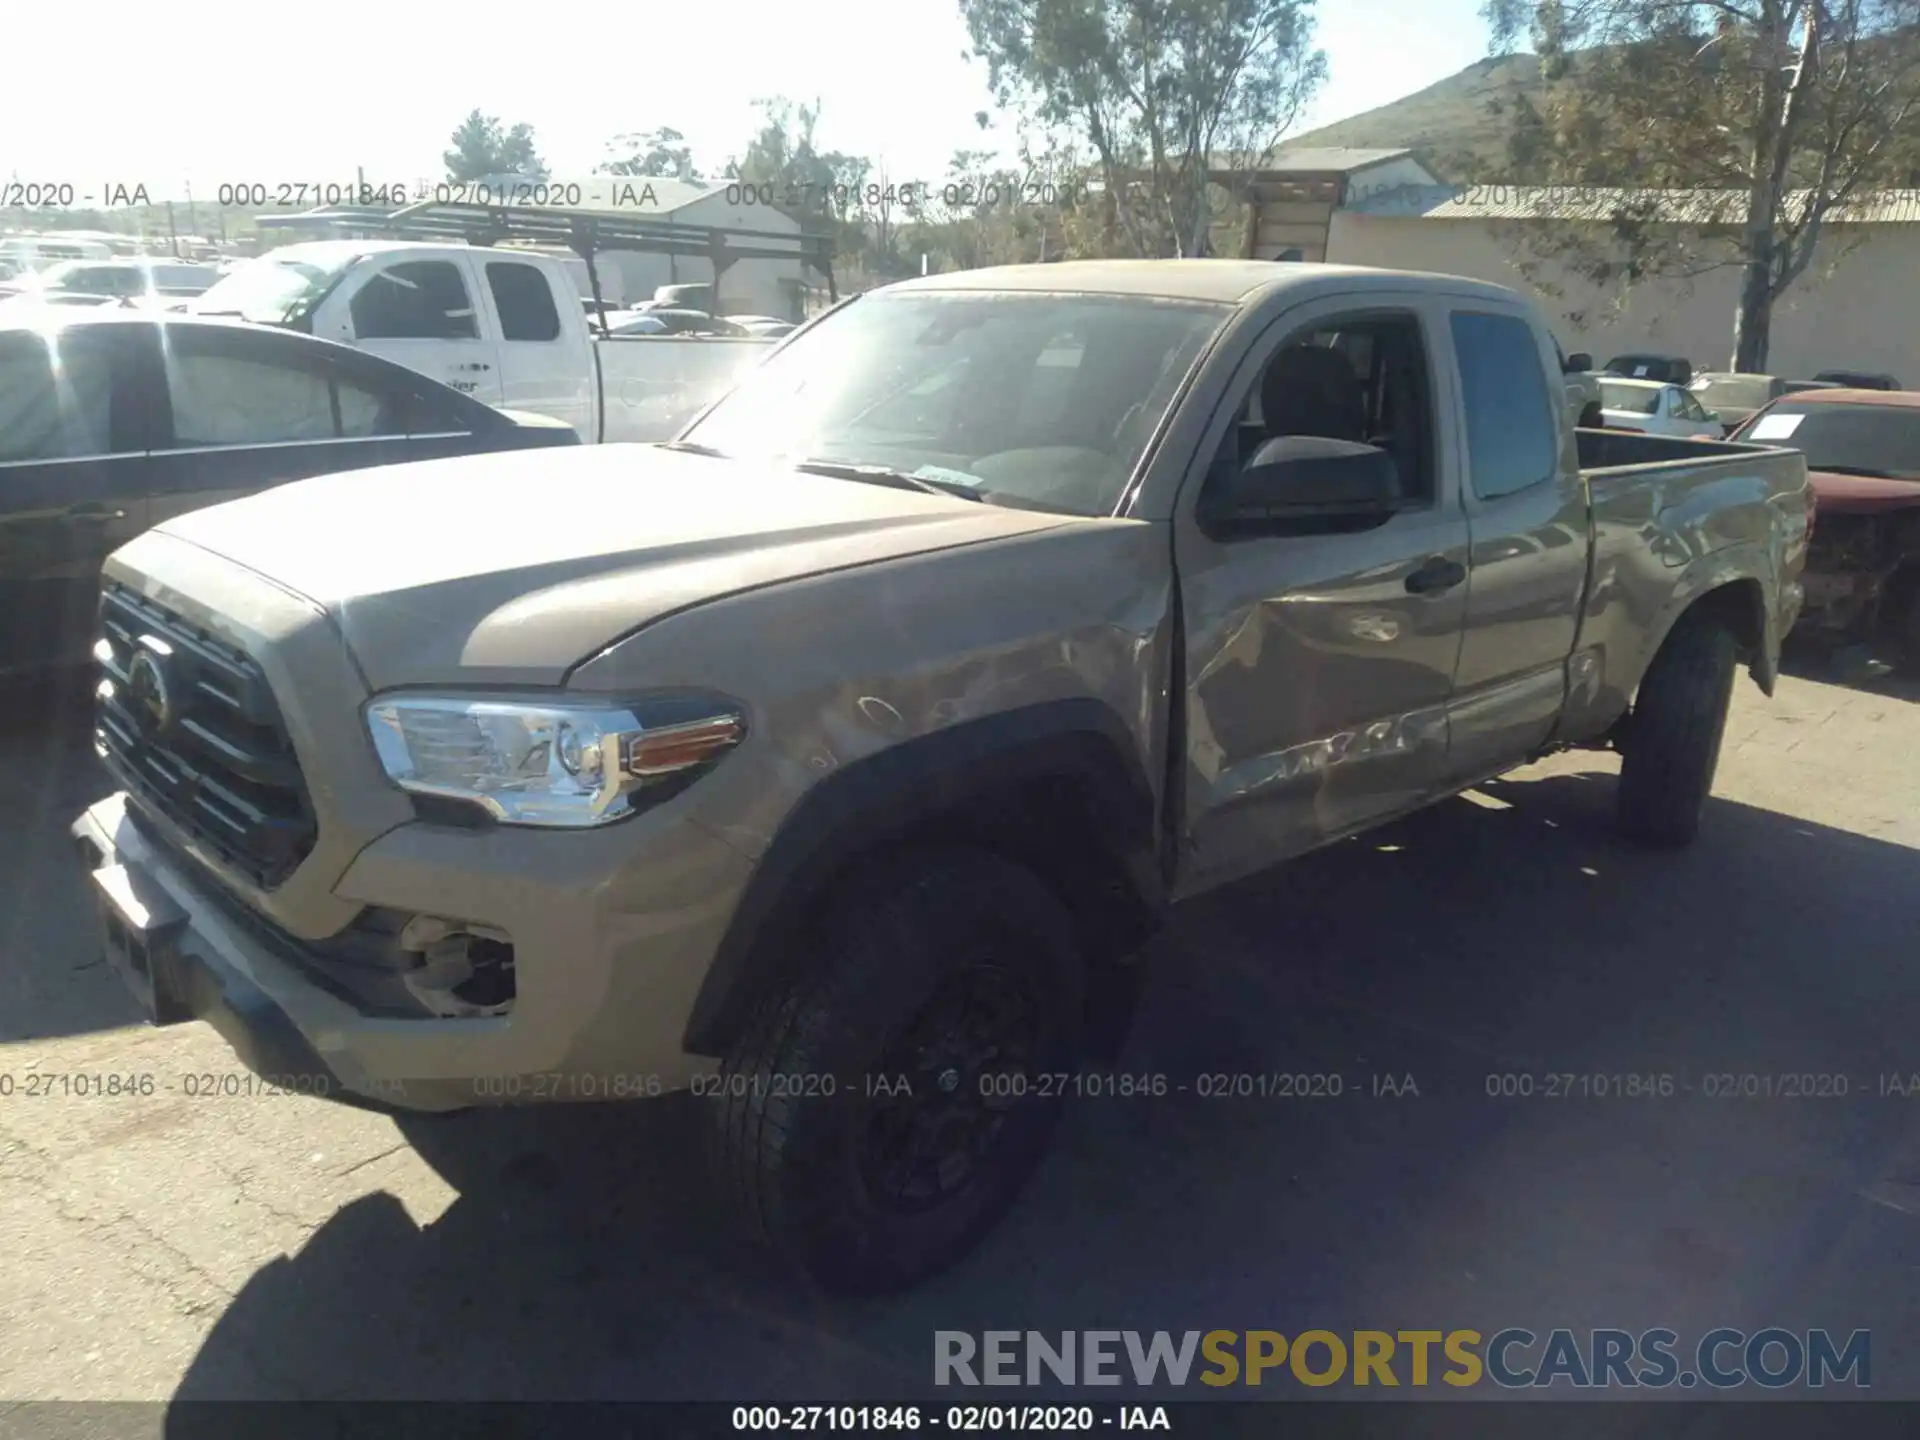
147, 689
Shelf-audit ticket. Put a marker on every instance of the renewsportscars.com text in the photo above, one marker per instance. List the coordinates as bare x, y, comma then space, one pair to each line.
1513, 1358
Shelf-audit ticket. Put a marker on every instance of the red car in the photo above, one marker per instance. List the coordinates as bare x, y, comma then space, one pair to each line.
1863, 458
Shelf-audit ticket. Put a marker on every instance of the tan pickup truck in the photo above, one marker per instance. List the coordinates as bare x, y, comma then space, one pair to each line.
833, 761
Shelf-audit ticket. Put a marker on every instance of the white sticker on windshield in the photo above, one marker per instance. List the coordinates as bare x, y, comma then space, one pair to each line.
1640, 372
1775, 427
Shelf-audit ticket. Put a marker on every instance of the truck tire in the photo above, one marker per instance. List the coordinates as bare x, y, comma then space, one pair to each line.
1673, 735
879, 1116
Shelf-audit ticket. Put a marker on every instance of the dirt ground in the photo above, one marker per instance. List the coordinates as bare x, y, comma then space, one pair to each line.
229, 1246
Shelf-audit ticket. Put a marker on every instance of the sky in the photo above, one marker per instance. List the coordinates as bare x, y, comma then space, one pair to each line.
279, 95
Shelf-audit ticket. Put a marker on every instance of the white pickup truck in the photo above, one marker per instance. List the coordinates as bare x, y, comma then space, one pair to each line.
505, 326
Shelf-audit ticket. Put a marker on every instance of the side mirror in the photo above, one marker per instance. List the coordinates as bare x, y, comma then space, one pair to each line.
1299, 477
1578, 362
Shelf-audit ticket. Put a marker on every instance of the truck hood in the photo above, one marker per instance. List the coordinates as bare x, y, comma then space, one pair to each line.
1861, 494
512, 568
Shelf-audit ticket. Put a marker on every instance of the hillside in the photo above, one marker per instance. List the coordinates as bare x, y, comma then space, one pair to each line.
1447, 125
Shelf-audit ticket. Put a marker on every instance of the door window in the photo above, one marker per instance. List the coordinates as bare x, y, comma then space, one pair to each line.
1512, 441
1366, 379
415, 300
225, 393
525, 301
49, 410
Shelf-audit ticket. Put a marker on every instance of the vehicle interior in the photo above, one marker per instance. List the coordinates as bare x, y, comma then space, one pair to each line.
1364, 382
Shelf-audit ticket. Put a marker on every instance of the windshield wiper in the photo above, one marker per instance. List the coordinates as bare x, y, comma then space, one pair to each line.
882, 475
693, 447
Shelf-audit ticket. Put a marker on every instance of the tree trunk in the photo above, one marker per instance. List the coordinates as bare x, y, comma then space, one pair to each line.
1753, 319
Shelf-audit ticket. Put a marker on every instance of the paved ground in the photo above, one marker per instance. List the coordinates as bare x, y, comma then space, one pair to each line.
169, 1246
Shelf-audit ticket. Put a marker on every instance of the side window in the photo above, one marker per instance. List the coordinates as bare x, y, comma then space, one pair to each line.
433, 412
49, 412
369, 409
250, 394
415, 300
1363, 378
1512, 440
525, 301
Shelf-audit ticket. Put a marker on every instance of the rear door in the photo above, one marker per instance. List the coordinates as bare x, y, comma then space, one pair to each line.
73, 440
1526, 508
424, 314
544, 363
251, 408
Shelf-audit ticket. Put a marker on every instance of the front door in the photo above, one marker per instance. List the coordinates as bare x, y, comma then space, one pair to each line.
422, 314
1319, 664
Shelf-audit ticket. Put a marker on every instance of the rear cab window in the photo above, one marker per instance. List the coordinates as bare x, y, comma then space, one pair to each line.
1512, 433
524, 299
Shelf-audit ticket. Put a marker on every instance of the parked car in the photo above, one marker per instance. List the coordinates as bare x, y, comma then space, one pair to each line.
112, 421
1667, 369
504, 326
137, 280
1859, 380
694, 322
1739, 396
636, 323
1654, 408
1863, 454
861, 740
1582, 386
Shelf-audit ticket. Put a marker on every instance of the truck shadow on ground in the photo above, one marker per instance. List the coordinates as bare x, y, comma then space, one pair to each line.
1471, 941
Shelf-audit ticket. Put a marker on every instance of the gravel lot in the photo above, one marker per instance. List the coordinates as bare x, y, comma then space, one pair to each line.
279, 1246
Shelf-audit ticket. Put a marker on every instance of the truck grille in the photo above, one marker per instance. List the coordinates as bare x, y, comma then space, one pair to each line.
188, 723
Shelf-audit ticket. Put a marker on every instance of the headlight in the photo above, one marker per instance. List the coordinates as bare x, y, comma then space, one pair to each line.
558, 763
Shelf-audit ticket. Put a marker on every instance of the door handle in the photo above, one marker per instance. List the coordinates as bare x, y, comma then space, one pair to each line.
1437, 575
91, 511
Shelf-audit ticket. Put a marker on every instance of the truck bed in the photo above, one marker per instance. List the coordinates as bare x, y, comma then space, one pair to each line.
1617, 449
652, 385
1672, 518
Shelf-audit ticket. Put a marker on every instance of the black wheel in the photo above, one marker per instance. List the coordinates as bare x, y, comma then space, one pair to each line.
875, 1121
1672, 741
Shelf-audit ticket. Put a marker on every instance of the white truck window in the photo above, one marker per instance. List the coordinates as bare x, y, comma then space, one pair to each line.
525, 301
415, 300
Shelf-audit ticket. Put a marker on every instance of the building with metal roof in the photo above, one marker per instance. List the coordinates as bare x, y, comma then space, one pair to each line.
1855, 308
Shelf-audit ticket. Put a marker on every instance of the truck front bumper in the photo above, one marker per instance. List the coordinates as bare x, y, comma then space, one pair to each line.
601, 997
183, 963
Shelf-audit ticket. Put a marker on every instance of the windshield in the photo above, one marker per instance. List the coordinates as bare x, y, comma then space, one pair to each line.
1047, 399
1854, 439
1735, 392
276, 289
1630, 399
